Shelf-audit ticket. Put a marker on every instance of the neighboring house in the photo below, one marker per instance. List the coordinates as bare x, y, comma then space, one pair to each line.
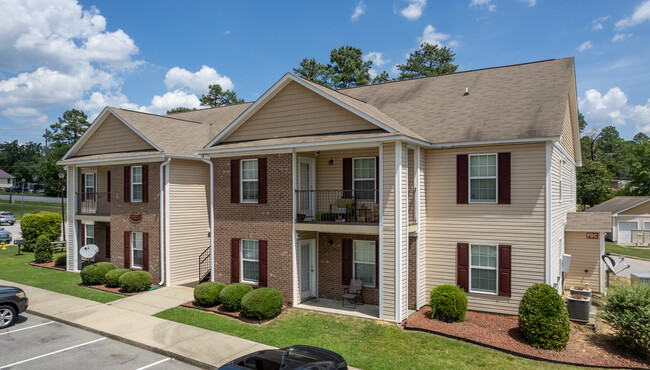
6, 180
630, 215
466, 178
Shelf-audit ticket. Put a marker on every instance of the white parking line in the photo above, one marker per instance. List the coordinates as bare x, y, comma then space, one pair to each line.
29, 327
154, 364
52, 353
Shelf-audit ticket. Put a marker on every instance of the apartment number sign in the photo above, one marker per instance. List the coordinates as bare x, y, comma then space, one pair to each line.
592, 235
135, 217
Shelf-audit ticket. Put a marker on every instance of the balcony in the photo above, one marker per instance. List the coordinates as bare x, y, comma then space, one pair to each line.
358, 207
94, 203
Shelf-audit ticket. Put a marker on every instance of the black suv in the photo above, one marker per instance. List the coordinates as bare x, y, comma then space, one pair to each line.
13, 301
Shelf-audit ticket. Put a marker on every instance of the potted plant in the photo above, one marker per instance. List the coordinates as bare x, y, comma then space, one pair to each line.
579, 307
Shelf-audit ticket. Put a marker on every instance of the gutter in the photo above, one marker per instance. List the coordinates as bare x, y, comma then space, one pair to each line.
209, 162
163, 211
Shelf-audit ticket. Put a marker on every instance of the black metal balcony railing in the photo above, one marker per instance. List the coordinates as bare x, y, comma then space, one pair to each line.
354, 206
93, 203
411, 201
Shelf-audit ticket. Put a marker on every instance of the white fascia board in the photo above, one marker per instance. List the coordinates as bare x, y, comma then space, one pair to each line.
106, 161
591, 230
564, 152
628, 208
494, 142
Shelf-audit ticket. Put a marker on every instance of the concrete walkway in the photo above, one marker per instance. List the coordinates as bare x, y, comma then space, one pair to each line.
129, 320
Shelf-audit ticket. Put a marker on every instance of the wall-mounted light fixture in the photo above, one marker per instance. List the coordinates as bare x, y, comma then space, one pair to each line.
331, 162
330, 242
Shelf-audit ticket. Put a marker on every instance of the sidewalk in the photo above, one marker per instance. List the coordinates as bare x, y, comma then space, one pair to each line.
129, 320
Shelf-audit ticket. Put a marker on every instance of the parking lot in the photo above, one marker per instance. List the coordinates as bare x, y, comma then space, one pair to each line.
38, 343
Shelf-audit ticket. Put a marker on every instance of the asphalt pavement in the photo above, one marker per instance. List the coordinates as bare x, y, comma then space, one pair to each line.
38, 343
29, 198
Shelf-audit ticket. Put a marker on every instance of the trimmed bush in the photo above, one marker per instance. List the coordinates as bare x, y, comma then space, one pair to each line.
61, 260
628, 311
95, 274
262, 303
543, 318
232, 294
135, 281
33, 226
43, 250
113, 277
448, 303
207, 294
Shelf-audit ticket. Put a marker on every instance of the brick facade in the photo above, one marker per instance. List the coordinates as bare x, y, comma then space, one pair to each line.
413, 271
271, 222
330, 267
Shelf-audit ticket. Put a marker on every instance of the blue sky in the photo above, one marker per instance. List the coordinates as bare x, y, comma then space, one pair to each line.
152, 56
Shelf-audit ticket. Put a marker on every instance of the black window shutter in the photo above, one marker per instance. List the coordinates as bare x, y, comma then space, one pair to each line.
83, 187
108, 185
127, 184
108, 242
462, 270
262, 180
263, 267
127, 249
145, 251
377, 264
462, 179
505, 271
347, 178
145, 183
234, 260
346, 276
377, 181
504, 178
234, 181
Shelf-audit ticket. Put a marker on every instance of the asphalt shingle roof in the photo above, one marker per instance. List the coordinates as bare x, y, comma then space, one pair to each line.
618, 204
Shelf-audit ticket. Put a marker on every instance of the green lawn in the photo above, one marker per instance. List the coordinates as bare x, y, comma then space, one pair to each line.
630, 252
15, 268
28, 207
363, 343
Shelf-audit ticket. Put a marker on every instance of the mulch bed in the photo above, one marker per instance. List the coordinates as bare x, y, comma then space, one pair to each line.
235, 315
111, 290
585, 347
48, 265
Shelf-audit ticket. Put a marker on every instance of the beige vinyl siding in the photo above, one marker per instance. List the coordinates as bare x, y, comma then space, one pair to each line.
639, 219
331, 177
520, 224
112, 136
404, 232
585, 256
102, 179
297, 111
388, 230
423, 226
189, 223
559, 210
642, 209
566, 141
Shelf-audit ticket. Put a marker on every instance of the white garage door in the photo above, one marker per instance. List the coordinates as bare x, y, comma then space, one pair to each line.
625, 231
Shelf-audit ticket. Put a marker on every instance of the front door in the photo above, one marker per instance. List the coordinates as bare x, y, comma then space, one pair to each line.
307, 187
307, 269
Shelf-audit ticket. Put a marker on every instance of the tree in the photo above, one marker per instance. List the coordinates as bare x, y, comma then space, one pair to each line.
430, 60
68, 129
582, 123
24, 161
640, 178
180, 110
593, 183
381, 78
348, 68
311, 70
217, 97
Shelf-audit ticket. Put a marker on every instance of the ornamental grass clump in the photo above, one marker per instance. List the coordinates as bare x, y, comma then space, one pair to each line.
95, 274
207, 294
113, 277
135, 281
448, 303
231, 296
543, 318
262, 303
628, 311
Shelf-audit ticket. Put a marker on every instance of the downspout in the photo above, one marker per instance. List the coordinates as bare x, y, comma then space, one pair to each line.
209, 162
167, 233
163, 217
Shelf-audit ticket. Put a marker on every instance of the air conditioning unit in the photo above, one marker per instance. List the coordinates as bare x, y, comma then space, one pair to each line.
641, 278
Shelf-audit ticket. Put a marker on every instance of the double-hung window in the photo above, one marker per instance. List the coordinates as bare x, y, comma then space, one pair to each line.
363, 178
89, 187
483, 268
364, 262
250, 259
249, 181
136, 184
90, 234
483, 178
136, 249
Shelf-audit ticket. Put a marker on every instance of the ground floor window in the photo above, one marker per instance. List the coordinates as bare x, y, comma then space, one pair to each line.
136, 249
90, 234
483, 268
250, 257
364, 262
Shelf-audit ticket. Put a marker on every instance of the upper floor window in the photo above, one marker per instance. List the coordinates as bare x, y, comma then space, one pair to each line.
89, 186
364, 178
364, 261
483, 178
249, 181
136, 184
483, 268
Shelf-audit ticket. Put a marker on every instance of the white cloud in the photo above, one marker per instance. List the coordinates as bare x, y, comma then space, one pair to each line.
27, 116
531, 3
358, 11
170, 100
597, 24
429, 35
376, 57
97, 101
612, 108
585, 45
227, 32
414, 10
373, 73
621, 36
197, 82
483, 4
640, 15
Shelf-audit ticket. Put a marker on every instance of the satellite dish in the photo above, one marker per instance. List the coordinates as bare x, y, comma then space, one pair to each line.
89, 251
613, 265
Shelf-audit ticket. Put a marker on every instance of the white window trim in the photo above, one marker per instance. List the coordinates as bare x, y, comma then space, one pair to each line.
242, 180
86, 237
86, 182
644, 225
133, 233
136, 183
242, 260
469, 283
354, 261
561, 179
470, 178
374, 179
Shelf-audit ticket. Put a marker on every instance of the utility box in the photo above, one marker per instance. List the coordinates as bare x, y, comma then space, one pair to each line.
641, 278
566, 262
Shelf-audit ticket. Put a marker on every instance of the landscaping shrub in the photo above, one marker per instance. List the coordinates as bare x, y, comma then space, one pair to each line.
43, 250
135, 281
230, 296
448, 303
262, 303
628, 311
543, 318
61, 260
95, 274
33, 226
113, 277
207, 294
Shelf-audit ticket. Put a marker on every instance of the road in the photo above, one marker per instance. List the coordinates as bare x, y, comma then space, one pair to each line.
28, 198
636, 266
38, 343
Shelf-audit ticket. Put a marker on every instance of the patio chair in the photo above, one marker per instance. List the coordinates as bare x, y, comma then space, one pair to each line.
353, 293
